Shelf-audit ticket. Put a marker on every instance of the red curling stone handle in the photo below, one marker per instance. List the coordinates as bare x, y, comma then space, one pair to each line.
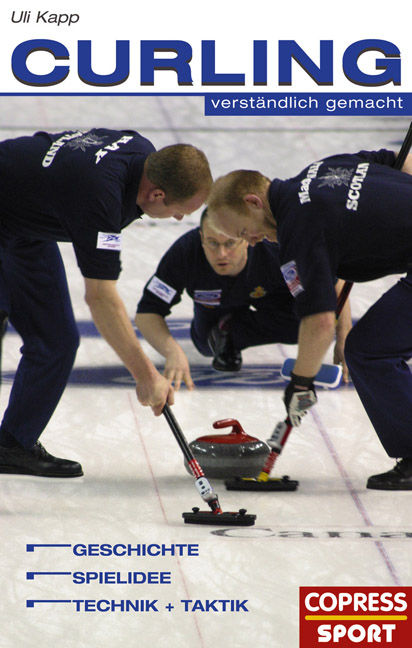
224, 423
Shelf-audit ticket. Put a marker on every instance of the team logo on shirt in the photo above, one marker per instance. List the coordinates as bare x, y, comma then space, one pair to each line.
290, 275
161, 289
114, 146
352, 178
336, 177
56, 146
356, 186
77, 140
304, 195
109, 241
86, 140
208, 297
257, 292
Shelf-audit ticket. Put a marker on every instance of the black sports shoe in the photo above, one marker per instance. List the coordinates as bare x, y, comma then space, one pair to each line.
399, 478
36, 461
226, 357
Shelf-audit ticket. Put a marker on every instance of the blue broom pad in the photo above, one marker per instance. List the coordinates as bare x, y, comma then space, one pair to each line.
329, 376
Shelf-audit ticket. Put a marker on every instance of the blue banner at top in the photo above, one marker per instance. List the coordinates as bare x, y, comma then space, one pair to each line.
323, 103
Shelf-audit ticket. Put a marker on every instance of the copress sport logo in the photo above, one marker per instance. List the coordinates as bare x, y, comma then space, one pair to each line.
350, 616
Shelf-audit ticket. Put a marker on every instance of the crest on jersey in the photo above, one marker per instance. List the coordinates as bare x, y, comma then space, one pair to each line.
257, 292
86, 140
336, 177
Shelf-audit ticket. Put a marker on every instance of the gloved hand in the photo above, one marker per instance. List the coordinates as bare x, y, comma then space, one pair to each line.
299, 399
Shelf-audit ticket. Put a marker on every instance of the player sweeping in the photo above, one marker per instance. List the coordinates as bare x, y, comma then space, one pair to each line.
82, 187
348, 216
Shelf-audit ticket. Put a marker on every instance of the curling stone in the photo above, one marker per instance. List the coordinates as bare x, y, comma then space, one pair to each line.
236, 454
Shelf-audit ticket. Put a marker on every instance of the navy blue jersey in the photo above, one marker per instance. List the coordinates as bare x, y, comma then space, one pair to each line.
185, 267
74, 186
348, 216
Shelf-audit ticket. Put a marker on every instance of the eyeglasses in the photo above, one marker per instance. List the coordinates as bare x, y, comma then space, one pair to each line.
230, 244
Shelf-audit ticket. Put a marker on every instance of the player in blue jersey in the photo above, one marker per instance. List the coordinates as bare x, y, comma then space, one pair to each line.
240, 300
347, 216
82, 187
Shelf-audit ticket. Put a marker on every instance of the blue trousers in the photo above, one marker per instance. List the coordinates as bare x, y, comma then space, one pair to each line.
249, 327
377, 350
34, 292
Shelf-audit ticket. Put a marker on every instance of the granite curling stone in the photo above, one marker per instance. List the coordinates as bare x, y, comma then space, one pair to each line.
236, 454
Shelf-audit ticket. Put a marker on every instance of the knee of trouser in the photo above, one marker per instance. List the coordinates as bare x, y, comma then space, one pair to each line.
60, 345
72, 341
355, 351
200, 343
202, 346
350, 347
67, 342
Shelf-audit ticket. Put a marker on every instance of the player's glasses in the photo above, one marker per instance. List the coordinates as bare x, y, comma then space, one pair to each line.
230, 244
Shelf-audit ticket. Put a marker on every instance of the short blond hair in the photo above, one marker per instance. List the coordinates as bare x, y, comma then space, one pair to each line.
180, 170
229, 190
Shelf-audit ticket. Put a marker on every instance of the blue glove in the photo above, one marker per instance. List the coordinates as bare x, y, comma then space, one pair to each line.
299, 399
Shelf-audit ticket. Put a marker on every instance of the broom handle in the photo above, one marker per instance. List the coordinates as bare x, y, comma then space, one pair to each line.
178, 434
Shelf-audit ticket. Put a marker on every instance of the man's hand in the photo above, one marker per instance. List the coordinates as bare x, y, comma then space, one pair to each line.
339, 358
299, 396
156, 332
177, 368
343, 326
155, 392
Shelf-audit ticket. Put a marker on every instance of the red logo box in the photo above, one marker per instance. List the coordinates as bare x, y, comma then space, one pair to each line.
344, 617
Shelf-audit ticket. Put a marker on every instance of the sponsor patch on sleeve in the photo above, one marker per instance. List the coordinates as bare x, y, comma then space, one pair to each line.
161, 289
109, 241
290, 275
